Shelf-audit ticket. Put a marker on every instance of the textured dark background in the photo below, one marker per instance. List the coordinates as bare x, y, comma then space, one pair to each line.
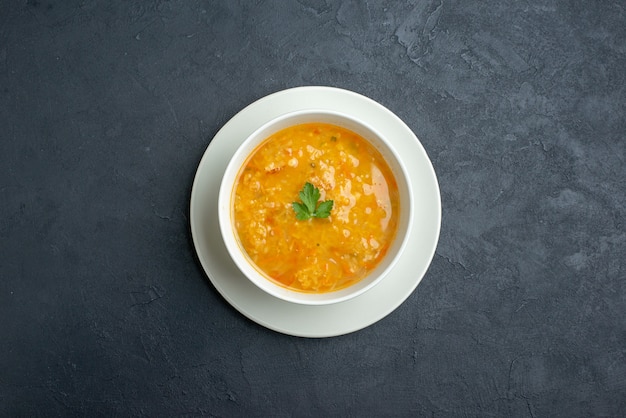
106, 108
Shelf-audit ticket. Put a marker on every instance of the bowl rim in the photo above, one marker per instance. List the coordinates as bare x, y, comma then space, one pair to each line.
226, 191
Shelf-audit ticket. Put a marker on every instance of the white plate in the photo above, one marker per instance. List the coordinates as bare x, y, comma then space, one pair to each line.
327, 320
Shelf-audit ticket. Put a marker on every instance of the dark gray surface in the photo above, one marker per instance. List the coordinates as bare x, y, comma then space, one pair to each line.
106, 108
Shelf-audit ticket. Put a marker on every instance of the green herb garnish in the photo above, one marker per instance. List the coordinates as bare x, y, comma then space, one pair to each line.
309, 195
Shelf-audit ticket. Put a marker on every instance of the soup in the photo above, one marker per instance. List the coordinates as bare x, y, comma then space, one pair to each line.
320, 254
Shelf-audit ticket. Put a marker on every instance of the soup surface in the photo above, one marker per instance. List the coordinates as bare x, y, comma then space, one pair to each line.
318, 254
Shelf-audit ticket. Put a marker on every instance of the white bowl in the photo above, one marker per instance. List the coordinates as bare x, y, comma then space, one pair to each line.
225, 206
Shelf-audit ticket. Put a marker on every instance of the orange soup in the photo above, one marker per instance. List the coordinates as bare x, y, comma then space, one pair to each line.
319, 254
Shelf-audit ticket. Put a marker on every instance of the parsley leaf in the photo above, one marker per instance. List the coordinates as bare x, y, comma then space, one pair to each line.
302, 213
309, 195
324, 208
